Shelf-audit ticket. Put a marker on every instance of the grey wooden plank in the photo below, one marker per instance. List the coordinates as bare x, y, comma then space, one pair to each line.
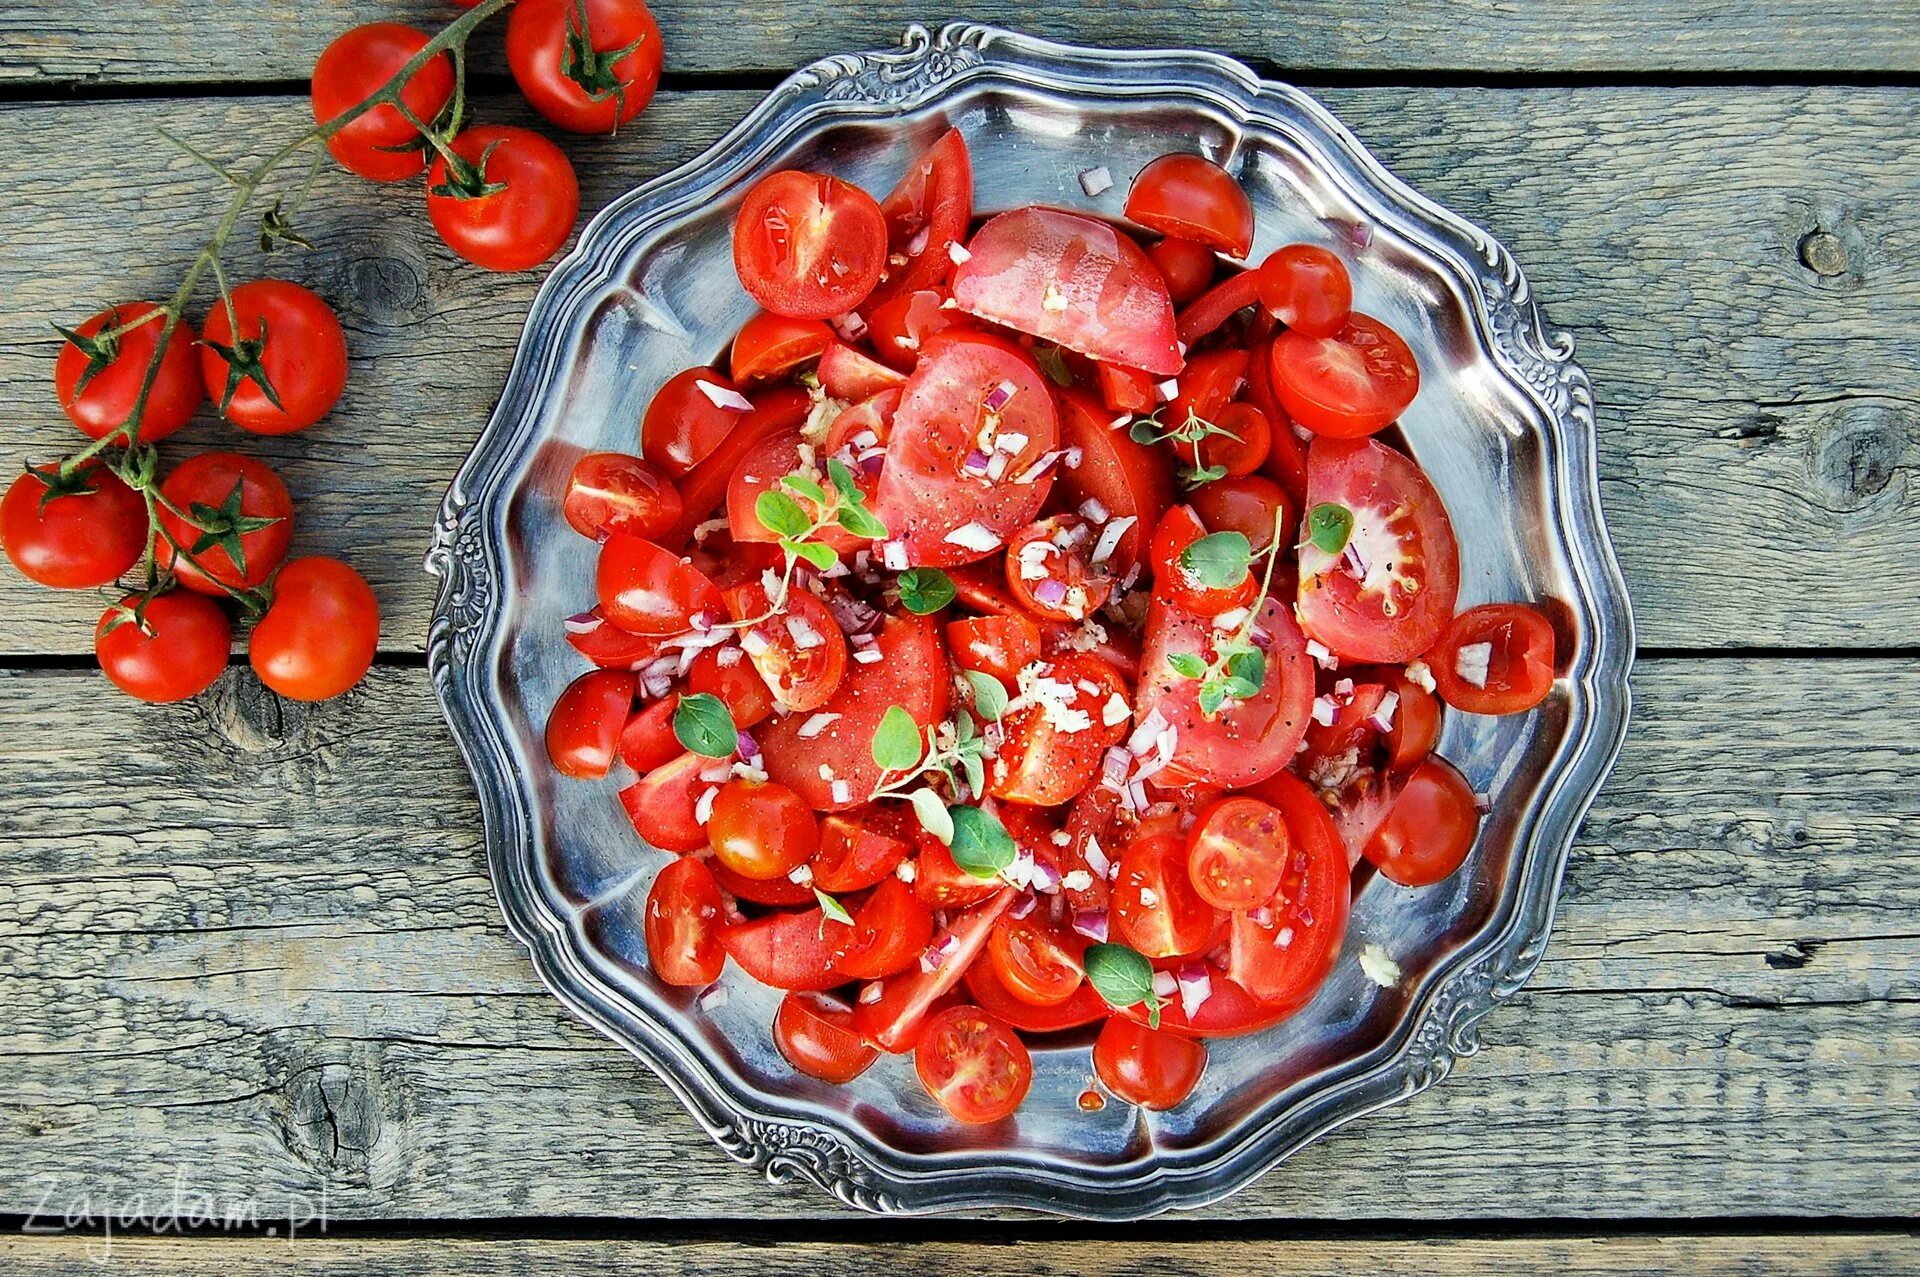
1578, 1256
198, 42
273, 962
1759, 420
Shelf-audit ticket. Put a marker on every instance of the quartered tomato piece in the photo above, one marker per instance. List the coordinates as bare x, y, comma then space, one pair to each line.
1237, 853
1128, 479
645, 589
760, 829
1431, 828
1348, 385
998, 645
1048, 569
1186, 265
1389, 593
1306, 287
1127, 390
1149, 1067
941, 882
900, 327
685, 421
1192, 197
1282, 952
761, 470
893, 1021
1415, 726
787, 950
890, 932
776, 411
661, 803
612, 492
647, 741
926, 215
848, 374
725, 672
973, 422
1155, 908
769, 346
807, 245
609, 646
682, 925
1074, 282
584, 727
1085, 1006
1494, 659
800, 652
974, 1065
1035, 960
1052, 749
860, 848
779, 893
815, 1034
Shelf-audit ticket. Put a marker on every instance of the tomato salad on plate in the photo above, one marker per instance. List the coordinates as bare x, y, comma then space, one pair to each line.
1026, 628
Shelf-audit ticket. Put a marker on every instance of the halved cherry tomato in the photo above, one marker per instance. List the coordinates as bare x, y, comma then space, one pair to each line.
1431, 828
1389, 593
683, 425
894, 1020
647, 590
609, 646
648, 740
1494, 659
1155, 907
1085, 1006
1180, 586
1216, 306
787, 950
1128, 478
860, 848
584, 727
1149, 1067
1348, 385
1351, 735
900, 327
926, 215
1251, 505
848, 374
1238, 853
776, 411
726, 673
1092, 822
1035, 960
998, 645
1242, 444
769, 346
800, 652
974, 1065
1281, 954
1192, 197
941, 882
858, 439
1048, 571
1043, 764
1305, 287
761, 829
778, 893
761, 470
815, 1034
890, 932
683, 921
661, 803
1186, 265
807, 245
1125, 389
1210, 380
1072, 281
1120, 648
1416, 724
612, 492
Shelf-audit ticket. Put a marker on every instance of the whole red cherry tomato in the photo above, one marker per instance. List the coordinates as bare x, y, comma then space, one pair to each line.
98, 380
94, 529
760, 829
807, 245
585, 726
1192, 197
379, 144
612, 492
1144, 1066
1188, 266
815, 1034
242, 522
973, 1064
587, 67
682, 926
175, 648
320, 632
515, 204
1306, 288
1494, 659
289, 364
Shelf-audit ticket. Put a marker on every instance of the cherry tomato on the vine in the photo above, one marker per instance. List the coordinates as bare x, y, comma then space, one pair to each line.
588, 66
320, 632
514, 206
285, 366
380, 144
98, 381
95, 529
238, 522
172, 649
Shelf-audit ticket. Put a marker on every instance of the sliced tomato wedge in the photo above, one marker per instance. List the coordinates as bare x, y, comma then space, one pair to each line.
941, 882
781, 893
1155, 907
848, 374
1128, 390
1074, 282
901, 327
771, 460
890, 932
892, 1021
584, 728
769, 346
815, 1034
788, 950
1191, 197
682, 925
647, 741
609, 646
1051, 751
1495, 659
1036, 960
1348, 385
1129, 479
998, 645
1282, 954
776, 410
1216, 306
927, 214
661, 803
860, 848
799, 651
646, 589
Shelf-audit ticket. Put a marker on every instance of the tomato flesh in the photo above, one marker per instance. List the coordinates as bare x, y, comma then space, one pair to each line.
682, 925
1347, 385
1238, 853
974, 1065
1494, 659
807, 245
890, 931
1035, 961
612, 492
1306, 287
1155, 907
926, 215
1192, 197
647, 590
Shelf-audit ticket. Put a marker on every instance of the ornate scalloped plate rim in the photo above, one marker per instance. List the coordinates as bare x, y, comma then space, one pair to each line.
1441, 1023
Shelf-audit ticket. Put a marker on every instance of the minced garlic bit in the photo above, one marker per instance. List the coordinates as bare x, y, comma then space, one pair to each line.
1078, 880
801, 875
1420, 676
1380, 968
1473, 661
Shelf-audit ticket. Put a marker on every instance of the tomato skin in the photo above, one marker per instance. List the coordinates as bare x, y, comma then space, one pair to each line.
584, 728
1176, 532
1187, 266
1240, 451
940, 882
682, 426
647, 590
1309, 913
1041, 765
77, 541
1306, 288
682, 925
209, 479
974, 1065
860, 848
935, 196
1149, 1067
1346, 386
107, 401
537, 36
848, 374
1208, 383
815, 1035
998, 645
890, 932
355, 66
893, 1021
1035, 961
808, 245
761, 829
1155, 907
609, 646
703, 486
770, 346
305, 358
799, 679
1416, 724
1127, 390
1128, 478
648, 740
1430, 830
1251, 505
900, 326
1237, 853
787, 950
181, 653
612, 492
1216, 306
1192, 197
984, 988
320, 633
1520, 665
738, 686
777, 893
512, 229
660, 804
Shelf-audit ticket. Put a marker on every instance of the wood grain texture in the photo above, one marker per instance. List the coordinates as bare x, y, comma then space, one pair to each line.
198, 42
1754, 1255
1741, 268
276, 964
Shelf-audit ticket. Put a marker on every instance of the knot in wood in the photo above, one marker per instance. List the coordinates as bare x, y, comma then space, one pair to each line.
330, 1120
1823, 253
1857, 451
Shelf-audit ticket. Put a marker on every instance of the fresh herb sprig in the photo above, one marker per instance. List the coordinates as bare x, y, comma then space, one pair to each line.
1188, 434
783, 513
1238, 668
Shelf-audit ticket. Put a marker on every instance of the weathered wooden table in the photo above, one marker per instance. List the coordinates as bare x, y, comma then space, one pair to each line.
249, 954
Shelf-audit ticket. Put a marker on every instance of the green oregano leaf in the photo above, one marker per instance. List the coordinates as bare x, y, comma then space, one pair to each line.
1248, 668
843, 480
1187, 665
1123, 978
1054, 364
806, 486
989, 695
821, 556
1219, 560
832, 908
981, 844
1329, 525
932, 813
1213, 694
861, 522
896, 742
781, 515
704, 725
924, 591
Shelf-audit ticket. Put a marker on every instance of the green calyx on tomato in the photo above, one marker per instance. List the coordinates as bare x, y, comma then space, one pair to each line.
1329, 525
1123, 977
704, 725
590, 68
244, 365
223, 526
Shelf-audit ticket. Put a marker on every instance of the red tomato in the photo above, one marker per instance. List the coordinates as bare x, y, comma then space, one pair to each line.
735, 681
893, 1021
1346, 386
1306, 288
609, 646
1128, 479
588, 66
998, 645
779, 893
683, 425
176, 650
1048, 572
1347, 741
1085, 1006
1416, 724
112, 372
1237, 853
926, 215
928, 493
808, 245
1035, 961
1211, 379
647, 590
1149, 1067
648, 740
1282, 954
761, 470
1216, 306
1248, 740
858, 438
1072, 281
682, 925
584, 728
661, 803
1494, 659
1430, 829
1286, 462
860, 848
974, 1065
761, 829
289, 341
941, 882
1155, 907
1250, 505
612, 492
380, 144
1186, 265
1040, 763
85, 537
1389, 593
848, 374
900, 326
771, 346
1243, 445
890, 932
1125, 389
911, 673
1192, 197
787, 950
815, 1034
800, 677
1179, 586
319, 634
518, 206
205, 488
703, 487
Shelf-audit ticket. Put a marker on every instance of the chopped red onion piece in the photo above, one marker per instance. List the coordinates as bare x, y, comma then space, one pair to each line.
1382, 717
938, 952
1360, 235
1354, 560
958, 255
749, 750
873, 463
714, 998
976, 462
723, 397
1196, 986
1164, 985
1000, 395
1261, 917
1097, 860
1051, 592
1146, 734
850, 326
584, 623
1046, 877
1023, 906
1115, 766
1092, 925
871, 993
